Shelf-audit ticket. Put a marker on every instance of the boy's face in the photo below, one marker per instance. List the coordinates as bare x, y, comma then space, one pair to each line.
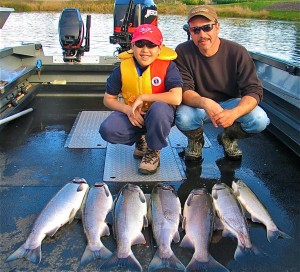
145, 52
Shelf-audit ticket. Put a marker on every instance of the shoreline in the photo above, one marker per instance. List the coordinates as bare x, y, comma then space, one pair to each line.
288, 11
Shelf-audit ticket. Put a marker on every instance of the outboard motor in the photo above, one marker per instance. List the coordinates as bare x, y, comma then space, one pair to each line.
128, 15
71, 34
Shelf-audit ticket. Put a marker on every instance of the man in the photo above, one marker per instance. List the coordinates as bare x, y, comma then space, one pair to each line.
151, 86
220, 84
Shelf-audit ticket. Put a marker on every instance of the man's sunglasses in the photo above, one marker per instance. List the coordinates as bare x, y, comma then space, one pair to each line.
205, 28
142, 43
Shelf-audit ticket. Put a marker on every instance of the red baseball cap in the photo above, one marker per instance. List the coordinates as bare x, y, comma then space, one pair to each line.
147, 32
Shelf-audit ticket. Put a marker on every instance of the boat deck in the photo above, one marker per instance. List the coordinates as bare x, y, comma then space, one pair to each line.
35, 164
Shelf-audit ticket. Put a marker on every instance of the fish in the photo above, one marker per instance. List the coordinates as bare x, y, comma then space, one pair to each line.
97, 206
233, 219
198, 223
63, 207
165, 215
257, 210
129, 218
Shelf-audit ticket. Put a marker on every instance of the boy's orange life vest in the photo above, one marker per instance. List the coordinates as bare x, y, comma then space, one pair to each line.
151, 81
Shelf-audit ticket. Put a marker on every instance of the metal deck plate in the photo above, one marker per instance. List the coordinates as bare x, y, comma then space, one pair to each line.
85, 131
120, 166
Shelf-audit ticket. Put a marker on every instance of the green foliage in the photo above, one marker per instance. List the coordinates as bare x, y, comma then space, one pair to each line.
230, 1
193, 2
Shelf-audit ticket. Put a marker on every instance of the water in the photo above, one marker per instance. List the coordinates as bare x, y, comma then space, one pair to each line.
279, 39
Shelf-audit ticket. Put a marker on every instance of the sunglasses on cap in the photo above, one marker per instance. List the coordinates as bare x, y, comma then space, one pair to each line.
142, 43
205, 28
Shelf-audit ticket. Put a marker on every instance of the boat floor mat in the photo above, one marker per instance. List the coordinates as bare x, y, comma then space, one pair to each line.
121, 166
85, 131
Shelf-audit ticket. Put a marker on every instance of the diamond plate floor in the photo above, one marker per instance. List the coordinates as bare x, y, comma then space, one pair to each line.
85, 131
121, 166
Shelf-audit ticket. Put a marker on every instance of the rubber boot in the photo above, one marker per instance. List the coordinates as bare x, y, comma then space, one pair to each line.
193, 152
228, 139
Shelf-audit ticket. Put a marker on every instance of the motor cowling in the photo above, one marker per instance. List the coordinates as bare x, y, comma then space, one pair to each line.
128, 15
71, 34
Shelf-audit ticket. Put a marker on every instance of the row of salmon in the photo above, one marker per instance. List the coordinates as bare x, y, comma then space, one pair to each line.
131, 213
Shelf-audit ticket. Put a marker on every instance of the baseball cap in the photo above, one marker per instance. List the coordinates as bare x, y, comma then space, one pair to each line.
204, 10
147, 32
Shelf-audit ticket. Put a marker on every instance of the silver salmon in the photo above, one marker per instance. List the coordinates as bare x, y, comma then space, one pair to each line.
61, 209
198, 220
232, 217
97, 205
257, 210
165, 215
129, 218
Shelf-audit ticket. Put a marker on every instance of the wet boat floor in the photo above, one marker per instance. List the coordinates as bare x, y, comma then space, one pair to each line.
35, 165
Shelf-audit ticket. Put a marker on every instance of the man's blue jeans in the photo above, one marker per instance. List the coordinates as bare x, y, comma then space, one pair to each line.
190, 118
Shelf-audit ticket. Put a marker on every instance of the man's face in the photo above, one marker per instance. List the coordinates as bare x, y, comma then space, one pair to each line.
204, 34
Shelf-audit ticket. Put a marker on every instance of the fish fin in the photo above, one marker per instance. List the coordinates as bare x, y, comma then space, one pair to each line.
239, 252
109, 218
107, 191
140, 239
214, 194
142, 197
235, 189
130, 262
218, 225
189, 199
53, 231
106, 231
210, 265
145, 224
72, 215
273, 235
187, 243
33, 255
227, 233
244, 251
253, 219
157, 263
91, 255
183, 223
81, 187
176, 237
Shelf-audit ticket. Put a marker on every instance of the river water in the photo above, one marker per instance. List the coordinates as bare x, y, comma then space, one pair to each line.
279, 39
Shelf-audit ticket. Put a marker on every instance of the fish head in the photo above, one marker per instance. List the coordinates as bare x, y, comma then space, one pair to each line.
103, 186
165, 187
195, 192
219, 187
82, 184
135, 189
237, 186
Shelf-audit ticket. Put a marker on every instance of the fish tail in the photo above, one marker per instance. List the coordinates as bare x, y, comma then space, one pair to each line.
91, 255
244, 251
33, 255
210, 265
158, 263
130, 262
273, 235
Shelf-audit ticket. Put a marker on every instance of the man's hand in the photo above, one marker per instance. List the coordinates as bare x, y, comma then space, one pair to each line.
212, 109
225, 118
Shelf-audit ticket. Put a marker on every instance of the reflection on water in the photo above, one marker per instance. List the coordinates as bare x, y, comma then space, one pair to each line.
278, 39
